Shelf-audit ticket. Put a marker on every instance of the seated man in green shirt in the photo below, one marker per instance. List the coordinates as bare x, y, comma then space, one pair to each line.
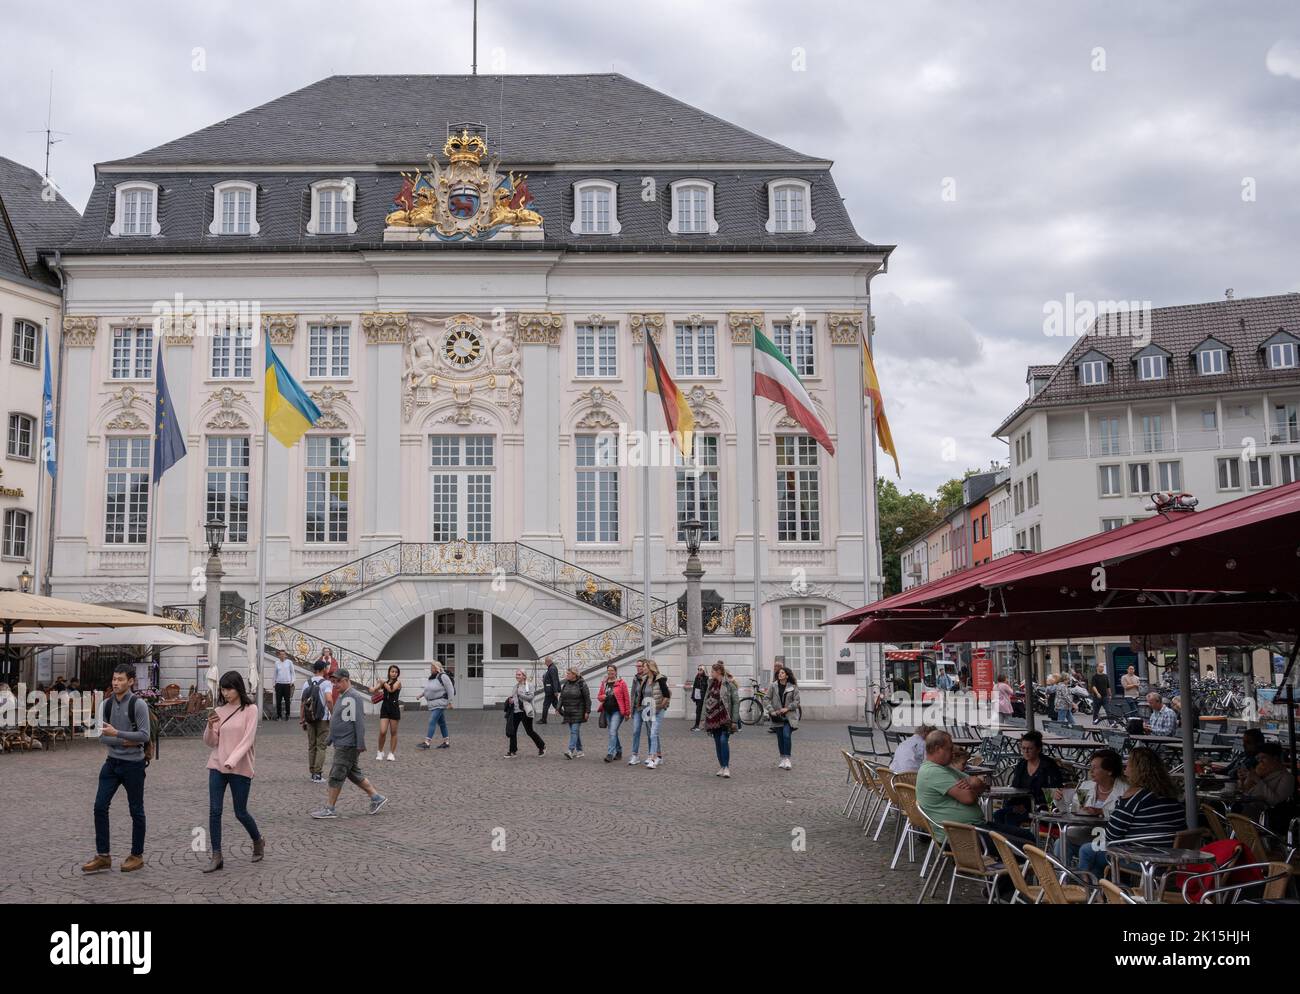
946, 795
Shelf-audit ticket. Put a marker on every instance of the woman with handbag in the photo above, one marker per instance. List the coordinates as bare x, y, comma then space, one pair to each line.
575, 709
698, 688
721, 706
519, 710
783, 696
615, 707
231, 731
388, 695
438, 692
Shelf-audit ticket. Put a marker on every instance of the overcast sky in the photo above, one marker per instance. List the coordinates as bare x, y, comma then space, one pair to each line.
1015, 152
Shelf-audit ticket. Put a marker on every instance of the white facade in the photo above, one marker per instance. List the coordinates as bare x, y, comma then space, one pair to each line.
1003, 520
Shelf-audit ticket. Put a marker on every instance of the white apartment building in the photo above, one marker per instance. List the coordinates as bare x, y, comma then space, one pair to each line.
32, 216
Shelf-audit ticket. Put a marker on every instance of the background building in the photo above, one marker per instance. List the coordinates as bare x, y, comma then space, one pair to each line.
475, 350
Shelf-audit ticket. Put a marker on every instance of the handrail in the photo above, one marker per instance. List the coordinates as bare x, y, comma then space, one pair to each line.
455, 558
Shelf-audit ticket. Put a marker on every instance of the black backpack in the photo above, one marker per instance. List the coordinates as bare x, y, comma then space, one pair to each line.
313, 705
151, 747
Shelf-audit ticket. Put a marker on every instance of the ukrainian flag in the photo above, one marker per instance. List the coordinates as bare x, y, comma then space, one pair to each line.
289, 411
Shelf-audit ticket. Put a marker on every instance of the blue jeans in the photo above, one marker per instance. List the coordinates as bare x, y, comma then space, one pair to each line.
437, 719
575, 736
1093, 860
113, 774
722, 746
615, 746
784, 736
637, 722
239, 788
1064, 716
655, 722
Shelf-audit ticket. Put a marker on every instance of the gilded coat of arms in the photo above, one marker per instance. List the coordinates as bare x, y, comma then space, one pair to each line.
466, 198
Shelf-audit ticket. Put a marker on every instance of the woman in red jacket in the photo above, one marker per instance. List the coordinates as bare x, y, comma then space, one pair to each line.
615, 706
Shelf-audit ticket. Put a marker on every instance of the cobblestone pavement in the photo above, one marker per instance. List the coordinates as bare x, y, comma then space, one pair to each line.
573, 831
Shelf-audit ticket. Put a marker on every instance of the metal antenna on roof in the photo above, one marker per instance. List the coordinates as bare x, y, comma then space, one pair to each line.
1227, 294
473, 70
49, 134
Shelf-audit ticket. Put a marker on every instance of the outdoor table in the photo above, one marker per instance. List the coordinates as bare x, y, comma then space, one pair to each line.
1149, 858
968, 743
1065, 742
1066, 821
999, 794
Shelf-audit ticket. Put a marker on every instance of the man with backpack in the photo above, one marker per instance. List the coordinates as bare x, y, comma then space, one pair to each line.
314, 717
126, 732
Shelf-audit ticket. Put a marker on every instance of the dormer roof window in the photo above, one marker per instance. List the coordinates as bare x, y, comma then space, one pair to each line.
136, 211
789, 207
234, 208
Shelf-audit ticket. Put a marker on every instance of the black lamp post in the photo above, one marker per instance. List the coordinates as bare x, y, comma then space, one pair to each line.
694, 532
215, 532
693, 529
25, 581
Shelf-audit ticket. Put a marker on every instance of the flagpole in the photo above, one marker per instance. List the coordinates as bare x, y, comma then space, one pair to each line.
261, 569
155, 482
645, 495
38, 519
868, 430
754, 489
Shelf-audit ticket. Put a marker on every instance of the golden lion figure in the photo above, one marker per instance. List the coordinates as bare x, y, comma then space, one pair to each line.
503, 213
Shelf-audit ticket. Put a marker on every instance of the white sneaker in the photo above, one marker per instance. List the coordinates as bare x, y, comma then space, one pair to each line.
379, 757
651, 764
634, 761
719, 773
726, 774
579, 754
788, 764
392, 758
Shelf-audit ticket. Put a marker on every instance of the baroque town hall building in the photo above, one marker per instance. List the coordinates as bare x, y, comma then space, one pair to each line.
461, 272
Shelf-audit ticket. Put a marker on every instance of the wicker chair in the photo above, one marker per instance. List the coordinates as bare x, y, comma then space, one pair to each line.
1015, 862
914, 825
969, 861
855, 778
1215, 822
1273, 886
875, 794
1046, 870
1115, 894
1262, 843
885, 780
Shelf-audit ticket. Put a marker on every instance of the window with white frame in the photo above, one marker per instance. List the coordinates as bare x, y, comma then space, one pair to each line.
596, 495
1286, 423
136, 210
1029, 445
227, 483
232, 353
1139, 478
22, 436
696, 349
789, 207
595, 208
1018, 497
803, 642
1211, 362
597, 350
474, 623
1110, 524
1108, 436
1151, 367
1282, 355
132, 355
445, 623
126, 490
1111, 482
1210, 420
1036, 538
1032, 490
1170, 475
17, 530
1259, 471
327, 488
796, 340
331, 207
1229, 473
697, 488
1152, 433
692, 206
26, 347
1092, 372
234, 209
462, 484
329, 350
1289, 464
798, 489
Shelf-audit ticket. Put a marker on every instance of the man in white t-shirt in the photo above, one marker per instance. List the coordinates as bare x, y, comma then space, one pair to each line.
910, 753
283, 683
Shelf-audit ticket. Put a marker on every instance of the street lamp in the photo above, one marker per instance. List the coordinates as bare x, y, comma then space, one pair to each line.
25, 581
693, 529
215, 531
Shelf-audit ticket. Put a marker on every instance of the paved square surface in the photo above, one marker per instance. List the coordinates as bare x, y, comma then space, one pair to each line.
573, 831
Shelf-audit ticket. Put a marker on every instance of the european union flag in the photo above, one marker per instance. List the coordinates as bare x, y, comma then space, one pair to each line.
168, 442
47, 418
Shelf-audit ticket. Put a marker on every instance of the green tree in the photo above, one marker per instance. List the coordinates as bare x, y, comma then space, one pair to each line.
949, 494
913, 513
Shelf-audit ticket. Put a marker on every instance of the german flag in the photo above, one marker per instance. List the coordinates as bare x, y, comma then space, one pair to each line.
677, 413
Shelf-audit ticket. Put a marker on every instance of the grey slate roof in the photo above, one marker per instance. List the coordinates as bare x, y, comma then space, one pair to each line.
27, 222
1243, 325
397, 120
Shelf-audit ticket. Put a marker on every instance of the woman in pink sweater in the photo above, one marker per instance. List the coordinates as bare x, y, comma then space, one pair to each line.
232, 727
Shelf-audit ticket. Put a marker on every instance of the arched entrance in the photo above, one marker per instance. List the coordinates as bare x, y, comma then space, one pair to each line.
462, 640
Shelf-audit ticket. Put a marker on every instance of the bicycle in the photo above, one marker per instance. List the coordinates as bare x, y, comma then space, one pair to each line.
879, 710
755, 709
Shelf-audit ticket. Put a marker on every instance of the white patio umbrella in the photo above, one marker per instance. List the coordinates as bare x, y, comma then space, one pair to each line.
137, 635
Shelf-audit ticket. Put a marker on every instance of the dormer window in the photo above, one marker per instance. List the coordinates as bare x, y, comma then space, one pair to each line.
1092, 372
692, 201
1151, 367
234, 209
1282, 355
595, 208
136, 211
1212, 362
331, 207
789, 207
